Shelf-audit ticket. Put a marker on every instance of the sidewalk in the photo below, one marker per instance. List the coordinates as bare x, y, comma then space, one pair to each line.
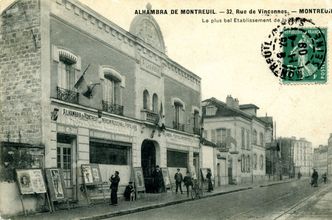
147, 201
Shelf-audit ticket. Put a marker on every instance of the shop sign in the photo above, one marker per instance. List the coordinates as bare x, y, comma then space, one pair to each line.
83, 119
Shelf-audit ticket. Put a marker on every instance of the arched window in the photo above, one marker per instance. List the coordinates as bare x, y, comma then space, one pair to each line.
178, 108
155, 103
146, 100
254, 137
68, 67
255, 161
111, 83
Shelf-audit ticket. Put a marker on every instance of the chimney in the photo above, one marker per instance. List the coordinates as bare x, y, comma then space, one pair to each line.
236, 103
230, 101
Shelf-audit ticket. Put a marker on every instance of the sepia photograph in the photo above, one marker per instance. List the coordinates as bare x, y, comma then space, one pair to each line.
156, 109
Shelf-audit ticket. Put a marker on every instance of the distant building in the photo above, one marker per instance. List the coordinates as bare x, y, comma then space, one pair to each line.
237, 128
329, 156
320, 159
296, 156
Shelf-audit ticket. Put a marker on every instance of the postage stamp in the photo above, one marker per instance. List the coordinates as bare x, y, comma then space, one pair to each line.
296, 51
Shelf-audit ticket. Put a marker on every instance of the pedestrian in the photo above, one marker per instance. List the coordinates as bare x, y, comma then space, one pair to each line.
178, 180
114, 179
129, 192
314, 178
299, 175
324, 176
188, 182
209, 179
158, 180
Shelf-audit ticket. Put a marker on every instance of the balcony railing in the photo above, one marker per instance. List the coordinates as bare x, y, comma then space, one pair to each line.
197, 131
67, 95
112, 108
149, 116
178, 126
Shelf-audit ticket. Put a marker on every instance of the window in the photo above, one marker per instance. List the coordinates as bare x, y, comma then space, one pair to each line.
248, 164
111, 91
146, 100
261, 162
243, 161
255, 161
204, 134
196, 119
248, 141
178, 108
261, 139
66, 74
112, 84
211, 110
213, 136
68, 66
254, 137
155, 103
177, 159
103, 152
242, 138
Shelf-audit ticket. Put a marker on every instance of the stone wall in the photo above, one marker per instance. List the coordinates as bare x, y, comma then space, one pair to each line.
20, 76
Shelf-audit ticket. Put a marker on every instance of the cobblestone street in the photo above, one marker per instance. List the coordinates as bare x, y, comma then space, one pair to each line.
271, 202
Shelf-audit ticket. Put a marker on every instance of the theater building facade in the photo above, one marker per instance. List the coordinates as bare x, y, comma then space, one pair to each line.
93, 92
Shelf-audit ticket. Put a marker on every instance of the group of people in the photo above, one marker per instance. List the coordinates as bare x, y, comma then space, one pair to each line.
158, 183
188, 181
314, 178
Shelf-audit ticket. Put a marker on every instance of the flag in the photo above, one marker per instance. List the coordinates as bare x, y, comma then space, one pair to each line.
81, 79
161, 121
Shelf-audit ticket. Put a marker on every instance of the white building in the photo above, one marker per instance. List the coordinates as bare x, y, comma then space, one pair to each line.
238, 129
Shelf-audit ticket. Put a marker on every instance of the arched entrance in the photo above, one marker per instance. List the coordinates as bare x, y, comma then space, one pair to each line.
148, 160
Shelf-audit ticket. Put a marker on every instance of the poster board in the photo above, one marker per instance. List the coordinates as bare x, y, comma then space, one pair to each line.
30, 181
91, 174
56, 184
167, 181
138, 179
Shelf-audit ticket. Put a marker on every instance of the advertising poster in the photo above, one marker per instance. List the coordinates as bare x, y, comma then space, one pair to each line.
30, 181
91, 174
56, 185
139, 179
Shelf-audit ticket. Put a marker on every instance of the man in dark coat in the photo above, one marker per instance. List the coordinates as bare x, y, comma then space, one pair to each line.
178, 181
115, 179
158, 180
188, 182
129, 192
314, 177
209, 179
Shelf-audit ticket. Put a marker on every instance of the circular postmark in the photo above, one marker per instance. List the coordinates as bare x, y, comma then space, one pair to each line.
296, 51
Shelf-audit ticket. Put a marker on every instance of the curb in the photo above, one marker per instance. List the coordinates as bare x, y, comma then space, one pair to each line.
144, 208
277, 183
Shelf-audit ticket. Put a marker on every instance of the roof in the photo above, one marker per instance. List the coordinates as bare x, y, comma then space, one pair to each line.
225, 111
247, 106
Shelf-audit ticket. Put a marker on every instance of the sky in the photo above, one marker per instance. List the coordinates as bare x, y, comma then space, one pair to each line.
227, 57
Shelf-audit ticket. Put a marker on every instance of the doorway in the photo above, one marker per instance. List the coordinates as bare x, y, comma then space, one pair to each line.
230, 171
218, 174
148, 160
65, 162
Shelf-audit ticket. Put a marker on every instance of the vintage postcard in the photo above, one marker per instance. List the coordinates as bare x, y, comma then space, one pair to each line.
192, 109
